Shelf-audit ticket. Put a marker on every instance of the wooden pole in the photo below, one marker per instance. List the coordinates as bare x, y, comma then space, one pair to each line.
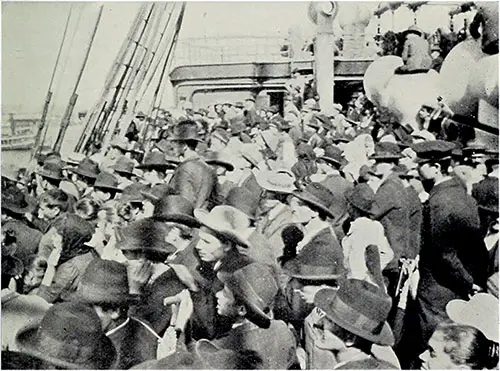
48, 98
72, 101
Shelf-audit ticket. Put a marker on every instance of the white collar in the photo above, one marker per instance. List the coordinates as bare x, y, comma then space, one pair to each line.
442, 180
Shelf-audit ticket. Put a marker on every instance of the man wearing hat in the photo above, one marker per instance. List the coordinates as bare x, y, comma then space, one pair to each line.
14, 206
84, 176
247, 300
124, 171
104, 286
69, 336
251, 113
193, 178
393, 207
354, 324
105, 187
155, 166
449, 268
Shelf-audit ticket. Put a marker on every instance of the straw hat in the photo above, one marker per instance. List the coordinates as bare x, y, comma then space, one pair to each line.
276, 181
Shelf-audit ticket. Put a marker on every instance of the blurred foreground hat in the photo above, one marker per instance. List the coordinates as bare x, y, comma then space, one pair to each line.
69, 336
480, 312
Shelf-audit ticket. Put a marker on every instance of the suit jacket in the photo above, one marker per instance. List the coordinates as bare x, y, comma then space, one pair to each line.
392, 201
275, 345
135, 342
486, 194
415, 222
194, 180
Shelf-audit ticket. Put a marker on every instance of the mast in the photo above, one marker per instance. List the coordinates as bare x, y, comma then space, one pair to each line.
72, 101
48, 98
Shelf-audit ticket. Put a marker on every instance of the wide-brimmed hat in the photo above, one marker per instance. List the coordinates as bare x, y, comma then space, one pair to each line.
124, 165
16, 201
480, 312
52, 170
341, 138
70, 336
186, 130
360, 308
245, 200
175, 208
319, 260
104, 282
276, 181
107, 182
433, 150
87, 168
145, 234
133, 193
362, 197
334, 155
156, 161
227, 221
386, 151
256, 287
317, 196
219, 159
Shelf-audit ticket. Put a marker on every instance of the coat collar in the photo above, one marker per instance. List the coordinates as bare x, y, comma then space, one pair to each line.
448, 183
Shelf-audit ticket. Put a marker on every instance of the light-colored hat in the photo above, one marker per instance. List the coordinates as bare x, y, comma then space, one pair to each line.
227, 221
282, 181
480, 312
423, 134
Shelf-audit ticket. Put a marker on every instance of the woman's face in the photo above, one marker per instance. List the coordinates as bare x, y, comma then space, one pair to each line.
435, 357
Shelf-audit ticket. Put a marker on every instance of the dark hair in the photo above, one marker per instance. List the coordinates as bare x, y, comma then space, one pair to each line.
444, 164
87, 209
467, 345
121, 307
56, 198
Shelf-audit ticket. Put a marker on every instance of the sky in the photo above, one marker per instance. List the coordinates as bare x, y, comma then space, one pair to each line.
32, 32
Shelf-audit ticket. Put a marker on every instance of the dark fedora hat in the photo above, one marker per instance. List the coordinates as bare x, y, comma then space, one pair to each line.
107, 182
333, 155
175, 208
144, 234
319, 260
104, 282
16, 201
132, 193
386, 151
362, 197
186, 130
52, 170
360, 308
87, 168
317, 196
218, 158
256, 286
156, 161
70, 336
244, 200
124, 165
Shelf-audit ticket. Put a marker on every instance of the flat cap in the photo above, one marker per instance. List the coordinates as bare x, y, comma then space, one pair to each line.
432, 150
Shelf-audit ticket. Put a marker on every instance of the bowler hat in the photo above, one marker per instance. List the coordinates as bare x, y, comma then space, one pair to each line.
218, 158
186, 130
175, 208
156, 161
256, 287
243, 199
107, 182
362, 197
333, 155
432, 150
317, 196
144, 234
87, 168
104, 282
15, 201
51, 170
319, 260
70, 336
226, 221
124, 165
386, 151
360, 308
